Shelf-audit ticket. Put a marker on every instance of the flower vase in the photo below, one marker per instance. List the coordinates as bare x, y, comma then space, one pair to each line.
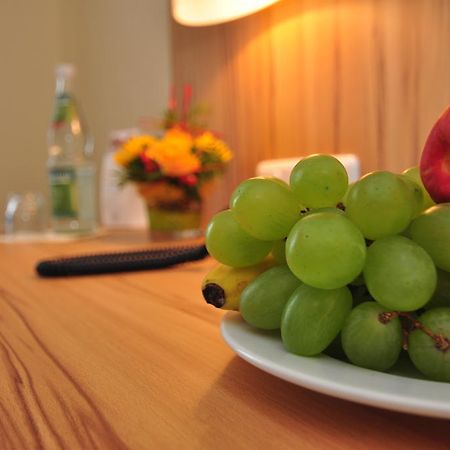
172, 213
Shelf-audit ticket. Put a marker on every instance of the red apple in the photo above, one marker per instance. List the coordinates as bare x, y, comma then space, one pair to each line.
435, 160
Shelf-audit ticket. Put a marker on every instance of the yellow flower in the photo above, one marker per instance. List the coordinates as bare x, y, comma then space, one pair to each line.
173, 153
208, 143
132, 149
179, 137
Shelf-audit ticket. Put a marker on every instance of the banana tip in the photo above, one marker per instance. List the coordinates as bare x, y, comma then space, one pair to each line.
214, 295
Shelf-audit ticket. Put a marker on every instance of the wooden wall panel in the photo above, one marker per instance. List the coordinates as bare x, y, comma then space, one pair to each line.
336, 76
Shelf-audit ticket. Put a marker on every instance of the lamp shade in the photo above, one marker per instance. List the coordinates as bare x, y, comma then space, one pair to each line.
197, 13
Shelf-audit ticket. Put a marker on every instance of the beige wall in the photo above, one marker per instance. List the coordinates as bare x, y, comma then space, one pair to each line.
29, 47
122, 53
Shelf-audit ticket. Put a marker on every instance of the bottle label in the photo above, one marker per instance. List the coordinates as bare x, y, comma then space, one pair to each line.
63, 111
63, 192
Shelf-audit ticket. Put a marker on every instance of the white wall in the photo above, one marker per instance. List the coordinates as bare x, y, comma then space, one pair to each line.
122, 53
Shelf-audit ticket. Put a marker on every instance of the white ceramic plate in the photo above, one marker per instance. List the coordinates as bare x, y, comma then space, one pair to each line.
401, 390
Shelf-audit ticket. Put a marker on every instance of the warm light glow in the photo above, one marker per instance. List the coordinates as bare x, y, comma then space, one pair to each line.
197, 13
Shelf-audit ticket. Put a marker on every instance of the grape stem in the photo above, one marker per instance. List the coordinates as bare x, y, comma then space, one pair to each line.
440, 341
405, 339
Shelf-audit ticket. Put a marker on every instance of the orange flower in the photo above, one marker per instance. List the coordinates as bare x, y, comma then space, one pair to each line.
132, 148
174, 155
208, 143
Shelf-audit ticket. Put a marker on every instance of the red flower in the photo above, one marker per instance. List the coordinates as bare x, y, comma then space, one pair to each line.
149, 164
189, 180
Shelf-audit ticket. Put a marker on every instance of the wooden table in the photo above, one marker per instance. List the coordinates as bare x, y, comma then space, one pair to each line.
136, 361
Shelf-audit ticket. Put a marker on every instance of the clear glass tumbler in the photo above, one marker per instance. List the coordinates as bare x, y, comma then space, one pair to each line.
25, 214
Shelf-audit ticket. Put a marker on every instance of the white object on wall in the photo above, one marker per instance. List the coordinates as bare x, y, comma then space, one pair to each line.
120, 206
197, 13
281, 168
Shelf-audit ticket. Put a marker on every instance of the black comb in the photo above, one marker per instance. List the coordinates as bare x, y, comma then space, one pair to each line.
120, 262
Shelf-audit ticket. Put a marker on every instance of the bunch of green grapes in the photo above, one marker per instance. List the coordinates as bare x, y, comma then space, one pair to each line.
360, 270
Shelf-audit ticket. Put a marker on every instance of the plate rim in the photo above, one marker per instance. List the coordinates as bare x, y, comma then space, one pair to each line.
396, 402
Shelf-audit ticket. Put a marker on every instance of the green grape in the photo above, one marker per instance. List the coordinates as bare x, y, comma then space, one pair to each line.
347, 192
265, 208
325, 250
319, 181
232, 246
380, 204
313, 317
431, 230
399, 274
441, 296
263, 300
432, 357
415, 193
276, 180
413, 173
325, 209
368, 341
279, 251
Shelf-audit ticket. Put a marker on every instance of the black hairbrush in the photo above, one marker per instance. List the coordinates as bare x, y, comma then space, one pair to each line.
120, 262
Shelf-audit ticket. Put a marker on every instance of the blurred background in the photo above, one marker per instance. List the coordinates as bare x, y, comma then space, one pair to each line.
122, 55
367, 77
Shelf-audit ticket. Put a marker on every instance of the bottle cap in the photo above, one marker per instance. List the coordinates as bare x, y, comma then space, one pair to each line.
65, 70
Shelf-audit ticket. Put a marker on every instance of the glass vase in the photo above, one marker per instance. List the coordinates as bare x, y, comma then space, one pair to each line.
172, 213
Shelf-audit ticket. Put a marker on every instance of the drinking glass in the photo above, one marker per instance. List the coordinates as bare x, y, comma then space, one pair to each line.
25, 214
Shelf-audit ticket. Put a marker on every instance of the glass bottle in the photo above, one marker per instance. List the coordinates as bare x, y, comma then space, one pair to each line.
70, 164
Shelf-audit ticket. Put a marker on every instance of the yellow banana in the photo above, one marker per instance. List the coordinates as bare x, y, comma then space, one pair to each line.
223, 285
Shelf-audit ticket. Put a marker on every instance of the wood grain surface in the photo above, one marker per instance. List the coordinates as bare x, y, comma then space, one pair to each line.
136, 361
303, 76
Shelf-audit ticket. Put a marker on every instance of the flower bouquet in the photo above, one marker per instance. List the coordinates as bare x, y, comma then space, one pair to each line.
173, 172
